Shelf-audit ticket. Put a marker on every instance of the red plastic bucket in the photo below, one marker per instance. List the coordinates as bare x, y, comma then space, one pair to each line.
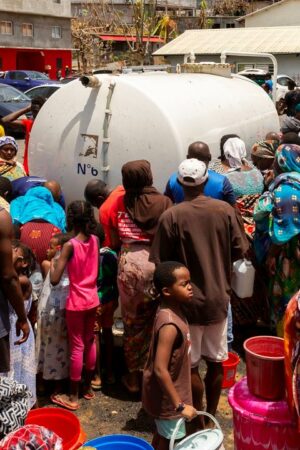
265, 367
64, 423
229, 370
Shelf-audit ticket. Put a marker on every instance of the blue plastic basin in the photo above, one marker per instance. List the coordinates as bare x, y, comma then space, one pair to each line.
119, 442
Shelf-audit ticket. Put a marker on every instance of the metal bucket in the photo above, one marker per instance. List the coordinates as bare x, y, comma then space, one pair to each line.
210, 439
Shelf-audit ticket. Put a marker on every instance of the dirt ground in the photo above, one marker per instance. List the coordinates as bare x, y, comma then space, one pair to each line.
113, 411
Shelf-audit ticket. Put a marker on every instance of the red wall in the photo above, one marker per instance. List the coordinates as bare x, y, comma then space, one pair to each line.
41, 60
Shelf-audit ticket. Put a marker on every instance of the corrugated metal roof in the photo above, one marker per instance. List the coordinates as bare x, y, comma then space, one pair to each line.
214, 41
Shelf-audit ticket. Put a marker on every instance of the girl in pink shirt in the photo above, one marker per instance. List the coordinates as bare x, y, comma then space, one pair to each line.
80, 255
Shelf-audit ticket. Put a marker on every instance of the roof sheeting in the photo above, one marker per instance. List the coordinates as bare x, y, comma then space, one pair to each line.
214, 41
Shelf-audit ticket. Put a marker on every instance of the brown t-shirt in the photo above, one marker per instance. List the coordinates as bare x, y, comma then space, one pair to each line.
155, 402
204, 235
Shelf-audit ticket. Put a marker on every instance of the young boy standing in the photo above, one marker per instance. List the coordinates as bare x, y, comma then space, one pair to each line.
167, 394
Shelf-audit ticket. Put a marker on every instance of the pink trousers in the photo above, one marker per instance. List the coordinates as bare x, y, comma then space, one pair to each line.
82, 343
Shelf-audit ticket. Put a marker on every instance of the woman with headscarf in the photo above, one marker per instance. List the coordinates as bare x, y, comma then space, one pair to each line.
276, 240
39, 217
246, 180
135, 218
9, 166
263, 154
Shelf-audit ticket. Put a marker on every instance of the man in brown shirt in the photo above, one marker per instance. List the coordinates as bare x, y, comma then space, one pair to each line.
203, 234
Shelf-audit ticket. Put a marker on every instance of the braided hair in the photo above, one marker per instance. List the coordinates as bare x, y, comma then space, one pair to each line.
80, 214
28, 256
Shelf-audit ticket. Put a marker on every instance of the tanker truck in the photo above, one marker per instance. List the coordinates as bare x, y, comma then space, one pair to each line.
90, 128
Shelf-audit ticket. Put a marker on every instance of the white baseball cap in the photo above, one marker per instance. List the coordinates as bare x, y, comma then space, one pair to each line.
192, 172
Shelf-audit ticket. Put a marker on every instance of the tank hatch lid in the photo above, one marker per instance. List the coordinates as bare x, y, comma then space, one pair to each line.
212, 68
246, 404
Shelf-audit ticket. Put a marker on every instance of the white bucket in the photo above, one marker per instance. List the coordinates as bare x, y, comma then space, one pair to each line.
210, 439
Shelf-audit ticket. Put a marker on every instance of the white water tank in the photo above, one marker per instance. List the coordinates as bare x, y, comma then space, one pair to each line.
82, 133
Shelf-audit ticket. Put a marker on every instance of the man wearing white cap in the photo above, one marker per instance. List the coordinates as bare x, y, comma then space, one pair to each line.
202, 233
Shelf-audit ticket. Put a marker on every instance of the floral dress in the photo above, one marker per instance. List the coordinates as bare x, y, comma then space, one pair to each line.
22, 357
52, 340
247, 186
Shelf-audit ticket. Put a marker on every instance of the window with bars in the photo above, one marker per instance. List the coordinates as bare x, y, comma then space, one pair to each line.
6, 27
56, 32
27, 29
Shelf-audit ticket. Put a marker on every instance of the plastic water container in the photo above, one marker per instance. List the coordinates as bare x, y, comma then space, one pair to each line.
243, 278
260, 424
37, 282
210, 439
118, 442
229, 370
265, 367
64, 423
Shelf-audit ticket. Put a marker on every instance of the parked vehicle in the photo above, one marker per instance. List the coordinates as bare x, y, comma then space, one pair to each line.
11, 100
69, 78
24, 79
46, 90
259, 76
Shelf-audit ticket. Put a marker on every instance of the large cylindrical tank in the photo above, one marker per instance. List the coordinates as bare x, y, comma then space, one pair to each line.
82, 133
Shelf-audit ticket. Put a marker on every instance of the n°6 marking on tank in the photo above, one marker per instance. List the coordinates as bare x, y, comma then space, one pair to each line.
84, 169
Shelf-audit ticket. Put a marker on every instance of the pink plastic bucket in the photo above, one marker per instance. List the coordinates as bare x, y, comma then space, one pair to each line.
265, 367
229, 370
260, 424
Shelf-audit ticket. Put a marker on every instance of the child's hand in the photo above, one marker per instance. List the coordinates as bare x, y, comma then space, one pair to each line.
189, 412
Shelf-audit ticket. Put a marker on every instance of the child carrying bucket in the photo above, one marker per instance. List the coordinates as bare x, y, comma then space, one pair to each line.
167, 394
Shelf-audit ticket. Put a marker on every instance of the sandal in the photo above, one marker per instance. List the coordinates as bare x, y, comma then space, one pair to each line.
89, 395
58, 400
96, 386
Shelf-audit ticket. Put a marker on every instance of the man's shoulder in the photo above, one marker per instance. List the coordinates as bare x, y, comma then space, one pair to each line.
203, 203
112, 199
215, 176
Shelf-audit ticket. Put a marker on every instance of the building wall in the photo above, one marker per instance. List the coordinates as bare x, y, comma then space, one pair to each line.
42, 31
287, 13
45, 7
83, 10
48, 61
287, 64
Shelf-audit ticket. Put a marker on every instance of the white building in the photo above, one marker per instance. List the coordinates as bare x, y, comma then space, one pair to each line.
207, 45
283, 13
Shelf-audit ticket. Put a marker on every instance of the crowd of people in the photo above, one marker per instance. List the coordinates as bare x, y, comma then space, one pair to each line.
166, 258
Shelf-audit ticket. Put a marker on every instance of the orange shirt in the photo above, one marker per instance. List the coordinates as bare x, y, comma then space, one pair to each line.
28, 125
106, 213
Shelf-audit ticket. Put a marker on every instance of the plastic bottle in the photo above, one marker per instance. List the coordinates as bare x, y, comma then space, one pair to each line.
37, 281
243, 278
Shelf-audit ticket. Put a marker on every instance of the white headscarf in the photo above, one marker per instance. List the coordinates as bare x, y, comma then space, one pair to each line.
235, 152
